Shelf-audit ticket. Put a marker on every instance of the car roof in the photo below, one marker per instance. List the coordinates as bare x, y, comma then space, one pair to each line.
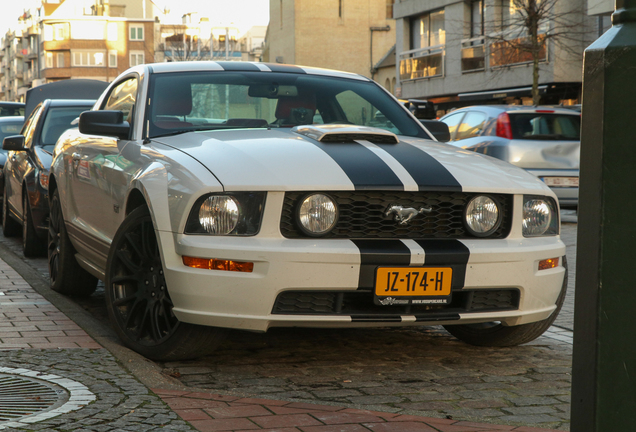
80, 88
13, 104
234, 66
71, 102
12, 119
518, 108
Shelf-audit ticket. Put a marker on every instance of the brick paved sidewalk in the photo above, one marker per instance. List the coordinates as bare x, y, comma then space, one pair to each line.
40, 341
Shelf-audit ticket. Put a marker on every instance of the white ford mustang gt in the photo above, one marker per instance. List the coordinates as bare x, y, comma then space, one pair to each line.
237, 195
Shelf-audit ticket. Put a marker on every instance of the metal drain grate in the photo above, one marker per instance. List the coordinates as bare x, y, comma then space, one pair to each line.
22, 396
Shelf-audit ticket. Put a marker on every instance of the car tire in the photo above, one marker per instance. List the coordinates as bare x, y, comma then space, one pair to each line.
32, 245
65, 274
10, 227
138, 302
495, 334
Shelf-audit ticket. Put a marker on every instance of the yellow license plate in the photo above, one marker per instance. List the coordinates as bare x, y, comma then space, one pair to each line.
413, 281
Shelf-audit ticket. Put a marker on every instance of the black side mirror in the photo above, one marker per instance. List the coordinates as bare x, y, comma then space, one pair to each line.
438, 129
104, 123
14, 143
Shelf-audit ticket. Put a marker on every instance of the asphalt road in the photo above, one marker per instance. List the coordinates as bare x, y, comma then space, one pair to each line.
413, 370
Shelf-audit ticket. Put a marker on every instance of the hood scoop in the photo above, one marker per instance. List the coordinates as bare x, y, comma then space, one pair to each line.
334, 133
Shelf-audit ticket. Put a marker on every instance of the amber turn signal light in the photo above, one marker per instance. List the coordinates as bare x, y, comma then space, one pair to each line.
218, 264
548, 263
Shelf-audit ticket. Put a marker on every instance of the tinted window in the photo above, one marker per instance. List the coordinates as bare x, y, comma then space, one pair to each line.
57, 121
221, 100
11, 110
545, 126
472, 125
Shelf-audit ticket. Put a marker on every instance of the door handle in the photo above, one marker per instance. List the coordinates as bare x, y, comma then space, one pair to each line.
76, 156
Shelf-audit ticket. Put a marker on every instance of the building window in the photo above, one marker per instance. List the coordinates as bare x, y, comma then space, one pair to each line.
604, 24
509, 10
136, 58
476, 18
136, 33
112, 58
56, 32
49, 60
428, 30
389, 9
88, 58
60, 60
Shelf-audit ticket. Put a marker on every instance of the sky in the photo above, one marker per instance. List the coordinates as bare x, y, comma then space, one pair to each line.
240, 13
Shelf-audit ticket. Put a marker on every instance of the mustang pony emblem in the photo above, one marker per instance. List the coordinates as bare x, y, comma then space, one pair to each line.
404, 214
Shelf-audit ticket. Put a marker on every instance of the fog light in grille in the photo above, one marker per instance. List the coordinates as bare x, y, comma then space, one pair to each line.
482, 216
317, 214
548, 263
218, 264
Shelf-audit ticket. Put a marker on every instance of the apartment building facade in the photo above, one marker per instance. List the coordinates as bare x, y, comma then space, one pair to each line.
454, 53
65, 39
348, 35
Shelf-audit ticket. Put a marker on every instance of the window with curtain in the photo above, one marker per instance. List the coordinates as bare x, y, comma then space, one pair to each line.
428, 30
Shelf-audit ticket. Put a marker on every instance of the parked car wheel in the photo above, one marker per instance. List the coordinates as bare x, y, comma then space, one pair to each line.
138, 301
10, 228
32, 245
495, 334
66, 275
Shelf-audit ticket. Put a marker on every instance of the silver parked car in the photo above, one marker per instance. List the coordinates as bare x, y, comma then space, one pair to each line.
543, 140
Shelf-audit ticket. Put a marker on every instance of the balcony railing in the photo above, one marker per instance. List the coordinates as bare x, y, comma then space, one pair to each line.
422, 63
513, 47
474, 54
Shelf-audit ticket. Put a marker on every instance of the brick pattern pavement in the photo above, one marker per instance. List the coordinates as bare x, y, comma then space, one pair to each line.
28, 320
210, 412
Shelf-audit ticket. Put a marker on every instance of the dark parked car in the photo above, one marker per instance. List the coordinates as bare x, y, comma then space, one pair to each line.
26, 172
8, 126
545, 141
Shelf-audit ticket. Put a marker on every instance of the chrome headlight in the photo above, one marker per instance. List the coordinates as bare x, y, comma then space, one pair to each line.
226, 214
540, 217
317, 214
219, 214
482, 216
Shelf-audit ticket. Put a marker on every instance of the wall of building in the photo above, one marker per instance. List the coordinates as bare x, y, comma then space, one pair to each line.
282, 32
563, 65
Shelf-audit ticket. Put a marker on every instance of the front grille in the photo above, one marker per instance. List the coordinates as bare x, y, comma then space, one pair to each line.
360, 302
362, 215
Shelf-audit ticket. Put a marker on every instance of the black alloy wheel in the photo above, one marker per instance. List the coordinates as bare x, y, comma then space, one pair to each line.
65, 274
138, 301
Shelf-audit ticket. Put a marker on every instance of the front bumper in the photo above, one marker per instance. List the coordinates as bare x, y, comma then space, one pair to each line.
247, 300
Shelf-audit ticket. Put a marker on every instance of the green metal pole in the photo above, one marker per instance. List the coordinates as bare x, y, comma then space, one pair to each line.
604, 356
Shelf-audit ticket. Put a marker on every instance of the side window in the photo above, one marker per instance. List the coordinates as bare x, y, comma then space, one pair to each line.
472, 125
29, 126
453, 121
122, 98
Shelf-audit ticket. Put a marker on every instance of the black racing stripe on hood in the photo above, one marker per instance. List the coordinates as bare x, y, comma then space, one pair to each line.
285, 68
447, 253
238, 66
374, 253
428, 173
363, 167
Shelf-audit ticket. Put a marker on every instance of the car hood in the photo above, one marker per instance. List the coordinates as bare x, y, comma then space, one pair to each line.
285, 160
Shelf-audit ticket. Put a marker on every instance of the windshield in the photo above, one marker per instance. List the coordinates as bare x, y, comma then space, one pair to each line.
545, 126
58, 120
226, 100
